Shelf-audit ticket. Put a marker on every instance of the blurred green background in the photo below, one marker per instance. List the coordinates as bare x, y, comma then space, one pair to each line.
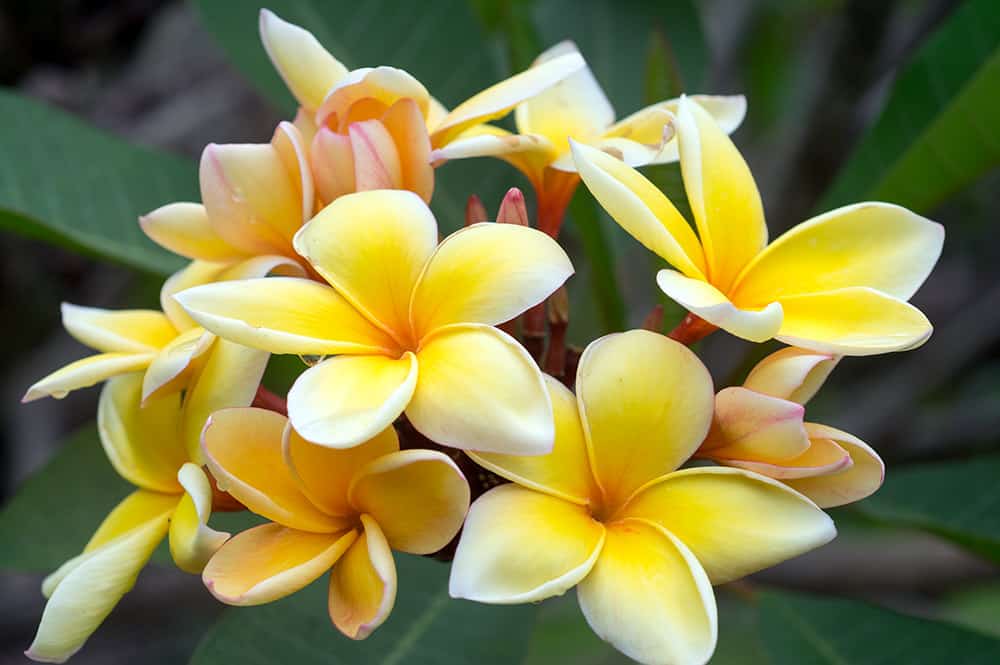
848, 101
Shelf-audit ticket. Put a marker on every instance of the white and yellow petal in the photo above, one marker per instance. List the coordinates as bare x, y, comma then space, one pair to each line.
857, 481
192, 541
519, 546
649, 597
363, 584
792, 373
487, 273
86, 372
646, 404
121, 331
307, 68
418, 497
184, 228
271, 561
478, 389
170, 366
735, 522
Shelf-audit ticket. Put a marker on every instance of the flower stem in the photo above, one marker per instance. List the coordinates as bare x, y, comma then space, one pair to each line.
691, 329
265, 399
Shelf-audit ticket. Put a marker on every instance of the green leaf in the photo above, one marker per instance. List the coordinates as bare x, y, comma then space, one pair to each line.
798, 629
426, 626
937, 132
442, 44
956, 500
976, 607
67, 183
54, 513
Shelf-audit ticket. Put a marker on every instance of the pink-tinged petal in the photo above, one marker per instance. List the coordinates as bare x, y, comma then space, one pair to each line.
858, 481
86, 372
822, 457
184, 228
332, 158
376, 161
363, 584
409, 133
418, 497
748, 425
118, 331
307, 68
521, 546
367, 93
793, 374
243, 450
271, 561
292, 149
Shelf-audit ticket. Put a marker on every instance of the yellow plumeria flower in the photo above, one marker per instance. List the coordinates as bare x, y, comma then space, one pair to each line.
255, 198
409, 323
760, 427
173, 496
170, 350
364, 125
838, 283
577, 108
608, 512
342, 511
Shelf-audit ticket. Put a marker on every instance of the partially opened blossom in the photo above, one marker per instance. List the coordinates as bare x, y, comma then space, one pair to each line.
255, 197
341, 511
409, 324
374, 127
838, 283
577, 108
173, 498
608, 512
760, 427
168, 349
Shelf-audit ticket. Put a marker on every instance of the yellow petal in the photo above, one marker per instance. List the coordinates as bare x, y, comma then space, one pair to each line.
822, 457
252, 200
418, 497
347, 400
192, 541
409, 133
478, 389
184, 228
367, 93
375, 271
85, 589
292, 149
875, 245
86, 372
793, 374
243, 451
283, 315
169, 368
646, 404
270, 561
629, 152
649, 597
123, 331
229, 378
332, 158
376, 160
722, 193
530, 153
363, 584
143, 443
487, 273
305, 122
859, 480
308, 69
575, 107
324, 474
195, 273
641, 209
522, 546
563, 473
748, 425
499, 99
706, 301
735, 522
853, 322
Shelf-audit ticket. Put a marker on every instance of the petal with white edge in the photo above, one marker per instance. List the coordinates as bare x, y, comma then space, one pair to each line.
192, 541
308, 69
122, 331
168, 369
858, 481
184, 228
821, 458
546, 550
793, 374
86, 372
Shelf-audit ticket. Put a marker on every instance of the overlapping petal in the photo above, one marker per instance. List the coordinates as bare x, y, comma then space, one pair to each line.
734, 522
406, 125
519, 545
192, 541
859, 480
649, 597
363, 584
418, 497
367, 93
793, 374
487, 273
478, 389
184, 228
86, 372
121, 331
822, 457
243, 451
307, 68
563, 473
646, 405
748, 425
172, 364
271, 561
347, 400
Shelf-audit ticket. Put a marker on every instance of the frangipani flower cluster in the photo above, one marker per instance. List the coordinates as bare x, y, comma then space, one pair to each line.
321, 244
